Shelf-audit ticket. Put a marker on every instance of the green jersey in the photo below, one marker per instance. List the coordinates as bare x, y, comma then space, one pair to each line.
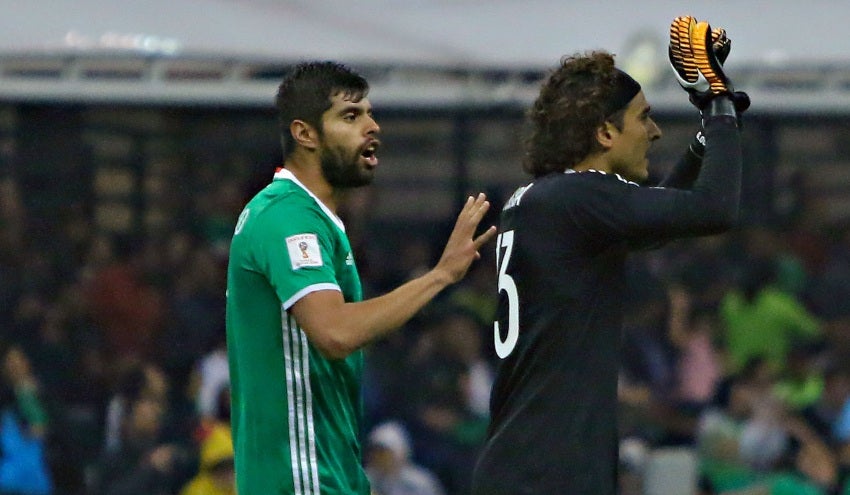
295, 414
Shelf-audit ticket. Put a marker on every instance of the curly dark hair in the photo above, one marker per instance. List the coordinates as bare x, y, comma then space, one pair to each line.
306, 92
570, 108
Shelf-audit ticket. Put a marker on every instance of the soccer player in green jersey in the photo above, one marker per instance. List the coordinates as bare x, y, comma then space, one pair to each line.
296, 321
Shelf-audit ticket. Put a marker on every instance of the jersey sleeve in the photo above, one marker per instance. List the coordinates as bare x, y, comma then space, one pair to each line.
615, 210
684, 172
294, 249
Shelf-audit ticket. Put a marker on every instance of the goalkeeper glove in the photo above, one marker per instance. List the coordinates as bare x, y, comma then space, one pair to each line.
697, 54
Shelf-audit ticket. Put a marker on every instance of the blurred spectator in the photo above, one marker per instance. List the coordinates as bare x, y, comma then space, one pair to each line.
23, 428
137, 380
196, 313
143, 464
63, 389
218, 207
704, 267
386, 376
212, 435
762, 321
450, 410
648, 356
751, 443
11, 248
213, 377
389, 465
216, 475
20, 381
801, 384
828, 292
12, 210
50, 350
831, 414
124, 304
649, 381
699, 367
763, 244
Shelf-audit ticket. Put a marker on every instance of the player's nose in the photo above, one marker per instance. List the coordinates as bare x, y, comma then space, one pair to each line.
654, 131
372, 126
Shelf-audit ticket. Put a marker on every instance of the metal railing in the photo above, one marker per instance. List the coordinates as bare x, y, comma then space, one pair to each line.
163, 80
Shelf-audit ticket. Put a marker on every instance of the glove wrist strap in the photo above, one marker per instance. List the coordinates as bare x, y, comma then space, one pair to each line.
720, 106
697, 146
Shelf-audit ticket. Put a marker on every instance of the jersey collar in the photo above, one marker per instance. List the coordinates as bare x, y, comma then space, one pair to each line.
623, 179
284, 174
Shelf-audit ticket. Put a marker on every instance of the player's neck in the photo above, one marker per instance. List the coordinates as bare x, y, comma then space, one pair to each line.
310, 175
595, 161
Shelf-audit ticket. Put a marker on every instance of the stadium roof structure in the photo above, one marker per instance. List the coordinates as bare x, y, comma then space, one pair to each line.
791, 56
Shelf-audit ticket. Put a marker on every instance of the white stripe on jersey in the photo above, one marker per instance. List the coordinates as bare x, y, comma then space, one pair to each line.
311, 432
307, 290
302, 437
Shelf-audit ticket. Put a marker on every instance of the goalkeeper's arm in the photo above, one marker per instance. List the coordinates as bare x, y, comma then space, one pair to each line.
688, 61
686, 170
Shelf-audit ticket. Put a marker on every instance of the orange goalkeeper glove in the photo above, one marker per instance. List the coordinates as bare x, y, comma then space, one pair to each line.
697, 54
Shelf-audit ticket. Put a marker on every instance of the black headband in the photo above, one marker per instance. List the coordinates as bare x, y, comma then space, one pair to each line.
625, 88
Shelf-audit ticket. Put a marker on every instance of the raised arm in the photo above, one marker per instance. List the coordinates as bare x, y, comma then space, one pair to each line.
686, 170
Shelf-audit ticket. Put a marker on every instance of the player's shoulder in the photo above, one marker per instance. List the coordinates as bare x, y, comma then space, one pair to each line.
283, 197
574, 186
279, 200
571, 178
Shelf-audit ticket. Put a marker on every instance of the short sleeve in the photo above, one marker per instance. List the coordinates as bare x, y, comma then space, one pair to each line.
294, 248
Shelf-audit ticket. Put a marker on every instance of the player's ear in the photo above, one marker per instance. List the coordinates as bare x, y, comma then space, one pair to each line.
304, 134
605, 134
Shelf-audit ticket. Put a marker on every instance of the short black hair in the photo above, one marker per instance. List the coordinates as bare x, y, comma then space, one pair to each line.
306, 92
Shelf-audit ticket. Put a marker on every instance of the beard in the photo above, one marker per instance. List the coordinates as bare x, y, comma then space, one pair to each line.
344, 172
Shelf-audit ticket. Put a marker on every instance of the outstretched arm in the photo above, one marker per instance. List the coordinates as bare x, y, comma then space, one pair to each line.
337, 328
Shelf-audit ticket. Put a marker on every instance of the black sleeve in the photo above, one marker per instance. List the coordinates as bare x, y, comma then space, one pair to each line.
686, 170
618, 211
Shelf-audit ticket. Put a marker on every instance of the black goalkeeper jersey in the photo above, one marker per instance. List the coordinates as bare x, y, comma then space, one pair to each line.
561, 251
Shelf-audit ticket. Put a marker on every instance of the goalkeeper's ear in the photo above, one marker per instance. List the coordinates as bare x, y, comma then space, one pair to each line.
605, 134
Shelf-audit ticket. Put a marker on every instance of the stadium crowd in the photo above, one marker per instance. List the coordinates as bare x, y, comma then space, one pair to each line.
114, 364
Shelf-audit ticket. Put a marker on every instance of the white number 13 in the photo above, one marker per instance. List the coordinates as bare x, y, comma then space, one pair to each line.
506, 284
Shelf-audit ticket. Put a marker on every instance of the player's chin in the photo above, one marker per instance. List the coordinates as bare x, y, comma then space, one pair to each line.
640, 174
366, 176
644, 169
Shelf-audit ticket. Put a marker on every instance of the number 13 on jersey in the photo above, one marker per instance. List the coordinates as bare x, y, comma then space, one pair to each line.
508, 286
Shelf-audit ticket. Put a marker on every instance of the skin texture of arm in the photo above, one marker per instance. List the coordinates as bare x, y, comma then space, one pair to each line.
338, 328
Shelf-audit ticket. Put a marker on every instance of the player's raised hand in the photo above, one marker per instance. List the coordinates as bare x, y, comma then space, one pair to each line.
463, 247
697, 54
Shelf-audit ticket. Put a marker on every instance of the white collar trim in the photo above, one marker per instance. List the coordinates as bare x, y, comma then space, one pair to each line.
622, 179
284, 174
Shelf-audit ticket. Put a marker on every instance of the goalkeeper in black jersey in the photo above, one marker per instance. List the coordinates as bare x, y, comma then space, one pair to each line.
561, 249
